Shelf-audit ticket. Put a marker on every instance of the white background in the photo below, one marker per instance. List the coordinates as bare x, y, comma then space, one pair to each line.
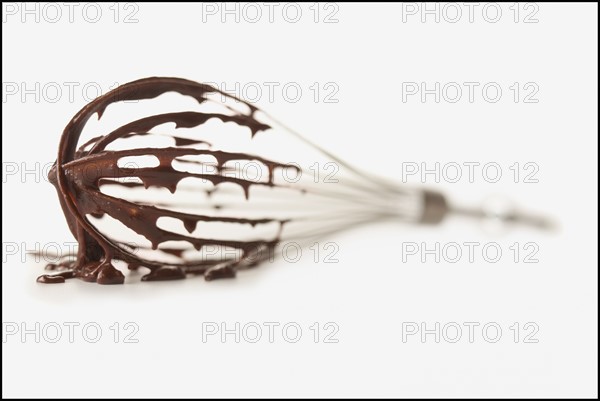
370, 294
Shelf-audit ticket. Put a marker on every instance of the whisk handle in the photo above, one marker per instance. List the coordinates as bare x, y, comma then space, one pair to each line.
435, 208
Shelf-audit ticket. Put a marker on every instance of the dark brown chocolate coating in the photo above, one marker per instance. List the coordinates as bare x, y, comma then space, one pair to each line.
79, 191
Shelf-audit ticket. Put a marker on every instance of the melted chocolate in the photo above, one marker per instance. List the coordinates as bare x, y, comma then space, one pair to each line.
78, 174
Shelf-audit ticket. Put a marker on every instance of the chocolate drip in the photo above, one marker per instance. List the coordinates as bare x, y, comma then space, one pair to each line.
79, 174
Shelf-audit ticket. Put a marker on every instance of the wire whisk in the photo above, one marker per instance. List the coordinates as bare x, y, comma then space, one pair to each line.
211, 189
